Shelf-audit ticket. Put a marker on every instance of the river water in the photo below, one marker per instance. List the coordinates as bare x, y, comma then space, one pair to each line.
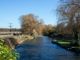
42, 49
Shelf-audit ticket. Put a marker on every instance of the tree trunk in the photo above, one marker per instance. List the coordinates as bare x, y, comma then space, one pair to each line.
76, 38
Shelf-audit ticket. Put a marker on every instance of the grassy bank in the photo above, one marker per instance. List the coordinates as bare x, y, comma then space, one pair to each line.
67, 44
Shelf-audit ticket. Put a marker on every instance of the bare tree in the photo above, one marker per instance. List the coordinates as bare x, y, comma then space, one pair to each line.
49, 30
69, 15
30, 23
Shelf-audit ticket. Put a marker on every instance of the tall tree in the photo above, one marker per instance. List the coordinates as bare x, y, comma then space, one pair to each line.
30, 24
69, 15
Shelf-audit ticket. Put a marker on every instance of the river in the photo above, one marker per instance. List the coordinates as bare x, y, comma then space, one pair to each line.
42, 49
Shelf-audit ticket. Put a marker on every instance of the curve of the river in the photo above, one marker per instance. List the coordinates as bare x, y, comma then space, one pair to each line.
42, 49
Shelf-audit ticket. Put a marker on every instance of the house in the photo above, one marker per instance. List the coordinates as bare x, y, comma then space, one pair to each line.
7, 31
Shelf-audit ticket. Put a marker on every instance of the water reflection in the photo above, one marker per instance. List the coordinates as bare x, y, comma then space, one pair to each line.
43, 49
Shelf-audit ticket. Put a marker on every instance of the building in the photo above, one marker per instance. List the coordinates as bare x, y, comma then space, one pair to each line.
7, 31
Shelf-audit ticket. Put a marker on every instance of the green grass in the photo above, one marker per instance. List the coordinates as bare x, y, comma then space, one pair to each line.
66, 43
63, 42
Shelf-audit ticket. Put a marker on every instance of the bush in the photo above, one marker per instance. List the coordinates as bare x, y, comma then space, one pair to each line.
7, 53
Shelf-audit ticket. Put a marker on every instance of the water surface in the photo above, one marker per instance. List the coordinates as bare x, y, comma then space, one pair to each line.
42, 49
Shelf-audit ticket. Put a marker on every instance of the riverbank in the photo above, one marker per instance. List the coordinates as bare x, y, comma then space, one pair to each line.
18, 38
66, 41
21, 38
66, 44
6, 51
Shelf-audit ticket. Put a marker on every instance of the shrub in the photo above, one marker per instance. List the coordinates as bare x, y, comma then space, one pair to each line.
7, 53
